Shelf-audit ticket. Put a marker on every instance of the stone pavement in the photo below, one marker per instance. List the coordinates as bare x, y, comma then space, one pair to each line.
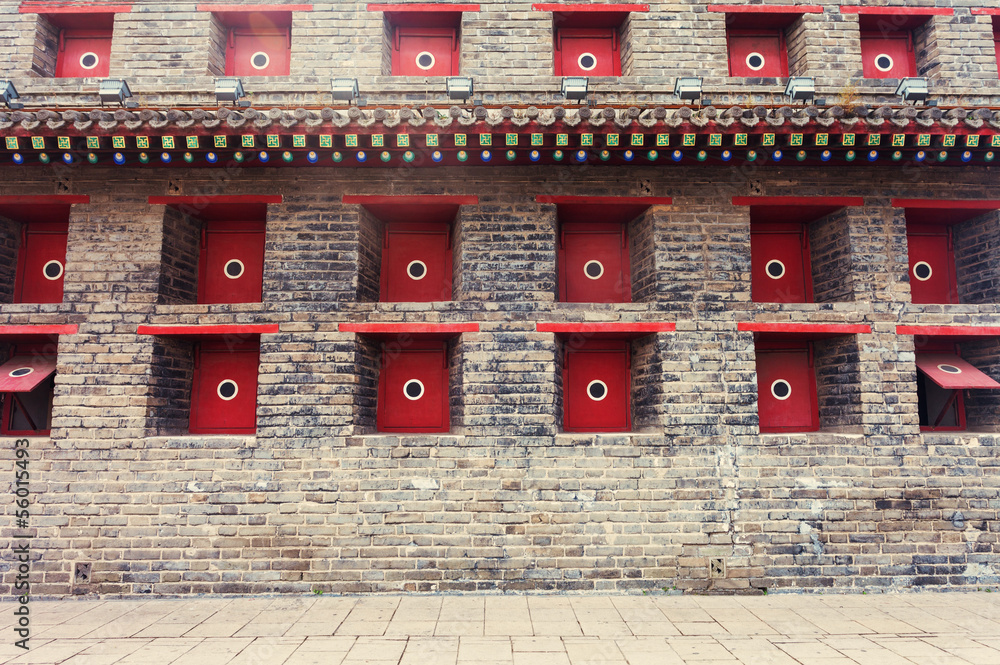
891, 629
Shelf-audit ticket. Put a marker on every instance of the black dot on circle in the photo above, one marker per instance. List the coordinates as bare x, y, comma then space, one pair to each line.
227, 389
21, 371
413, 389
593, 269
755, 61
587, 61
234, 269
950, 369
52, 269
260, 60
775, 269
416, 270
883, 61
597, 390
922, 270
88, 60
425, 60
781, 389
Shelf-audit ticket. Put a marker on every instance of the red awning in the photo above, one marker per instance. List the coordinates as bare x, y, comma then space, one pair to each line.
22, 374
951, 372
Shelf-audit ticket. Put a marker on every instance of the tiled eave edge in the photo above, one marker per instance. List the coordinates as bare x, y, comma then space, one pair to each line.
453, 120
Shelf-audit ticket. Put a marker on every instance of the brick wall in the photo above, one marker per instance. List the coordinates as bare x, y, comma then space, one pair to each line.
170, 53
318, 499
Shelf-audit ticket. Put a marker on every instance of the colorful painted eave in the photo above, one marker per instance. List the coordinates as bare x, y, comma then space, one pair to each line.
424, 136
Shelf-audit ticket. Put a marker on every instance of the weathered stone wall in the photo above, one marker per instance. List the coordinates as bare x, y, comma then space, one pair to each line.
170, 53
505, 501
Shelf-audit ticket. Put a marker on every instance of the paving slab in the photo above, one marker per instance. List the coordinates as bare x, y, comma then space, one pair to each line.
959, 628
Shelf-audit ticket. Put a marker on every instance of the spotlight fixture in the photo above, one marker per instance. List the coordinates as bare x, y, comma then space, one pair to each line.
230, 90
800, 87
575, 87
912, 89
688, 87
115, 91
344, 89
459, 87
8, 94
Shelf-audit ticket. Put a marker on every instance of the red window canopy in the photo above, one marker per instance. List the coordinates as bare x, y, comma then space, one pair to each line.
22, 374
794, 209
592, 15
944, 211
951, 372
254, 16
763, 17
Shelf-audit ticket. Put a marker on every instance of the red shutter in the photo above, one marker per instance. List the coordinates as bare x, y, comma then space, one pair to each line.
587, 52
757, 53
594, 263
224, 391
231, 263
932, 265
421, 51
596, 385
83, 53
41, 265
27, 403
416, 263
887, 57
258, 52
786, 390
779, 263
413, 389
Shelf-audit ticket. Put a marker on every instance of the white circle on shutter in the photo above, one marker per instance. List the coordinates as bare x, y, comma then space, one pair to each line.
593, 269
89, 60
52, 270
781, 389
260, 60
775, 269
234, 269
922, 271
755, 61
587, 61
416, 270
425, 60
884, 62
227, 389
413, 389
21, 371
949, 369
597, 390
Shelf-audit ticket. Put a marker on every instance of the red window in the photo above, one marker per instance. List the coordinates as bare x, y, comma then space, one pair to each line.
231, 263
942, 376
416, 263
594, 263
413, 389
887, 56
224, 391
84, 53
587, 52
757, 53
425, 42
425, 52
786, 387
779, 263
258, 43
932, 264
259, 52
27, 383
41, 263
596, 385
